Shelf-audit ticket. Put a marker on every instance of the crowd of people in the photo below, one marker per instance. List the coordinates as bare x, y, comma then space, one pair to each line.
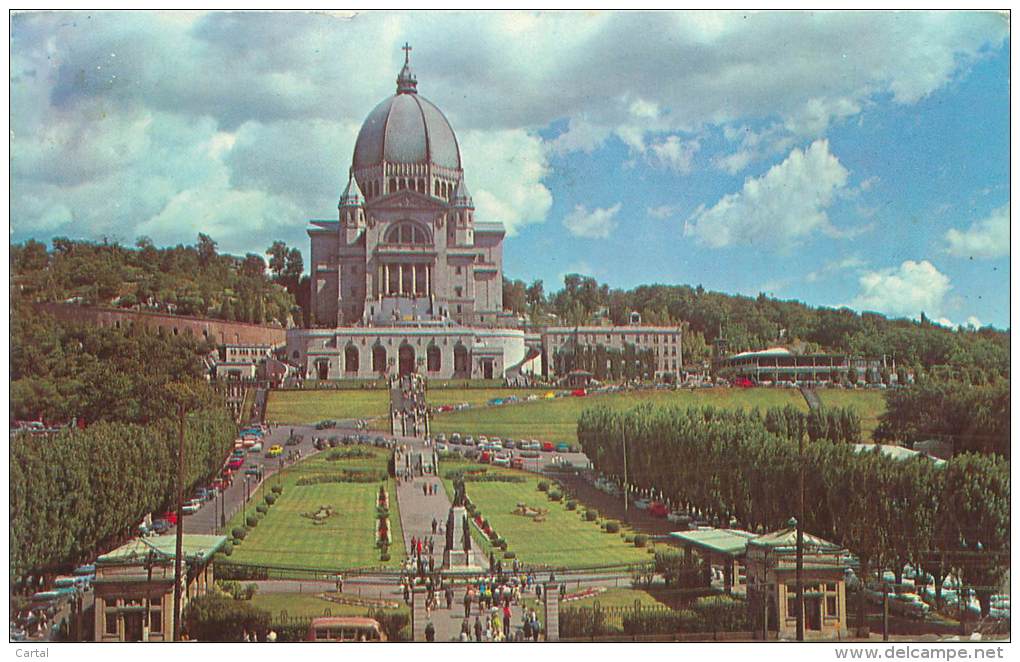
411, 411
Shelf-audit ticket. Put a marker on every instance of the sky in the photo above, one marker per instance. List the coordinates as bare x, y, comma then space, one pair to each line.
854, 159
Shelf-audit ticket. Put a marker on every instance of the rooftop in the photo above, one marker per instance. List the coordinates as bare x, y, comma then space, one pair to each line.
195, 547
731, 542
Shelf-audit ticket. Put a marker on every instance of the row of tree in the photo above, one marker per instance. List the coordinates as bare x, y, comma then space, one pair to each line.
186, 280
63, 371
77, 492
971, 418
727, 465
747, 323
606, 363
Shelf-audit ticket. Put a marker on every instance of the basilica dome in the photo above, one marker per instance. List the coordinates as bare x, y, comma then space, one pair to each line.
406, 128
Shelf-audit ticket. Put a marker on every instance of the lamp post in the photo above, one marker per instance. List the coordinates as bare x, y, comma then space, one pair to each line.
626, 483
180, 522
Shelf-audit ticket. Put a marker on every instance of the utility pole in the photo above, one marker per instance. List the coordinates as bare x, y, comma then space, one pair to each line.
180, 522
800, 539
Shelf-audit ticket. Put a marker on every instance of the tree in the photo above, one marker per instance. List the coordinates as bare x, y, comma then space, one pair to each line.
277, 258
253, 267
206, 249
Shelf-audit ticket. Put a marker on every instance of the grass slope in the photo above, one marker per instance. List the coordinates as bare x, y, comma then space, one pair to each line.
556, 420
564, 539
869, 405
284, 538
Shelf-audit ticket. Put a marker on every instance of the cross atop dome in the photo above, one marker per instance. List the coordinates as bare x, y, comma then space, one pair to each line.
406, 81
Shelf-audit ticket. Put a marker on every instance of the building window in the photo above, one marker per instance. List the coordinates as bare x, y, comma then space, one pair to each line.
112, 627
458, 270
831, 606
156, 621
434, 358
459, 308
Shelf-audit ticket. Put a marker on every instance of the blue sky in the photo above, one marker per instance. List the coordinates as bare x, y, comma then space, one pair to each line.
856, 159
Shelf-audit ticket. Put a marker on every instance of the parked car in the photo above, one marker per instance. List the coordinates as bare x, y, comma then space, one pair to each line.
239, 452
509, 443
562, 447
344, 628
517, 463
441, 438
469, 441
496, 443
501, 459
484, 457
658, 509
235, 463
442, 447
191, 507
548, 447
257, 448
251, 471
530, 454
642, 504
161, 526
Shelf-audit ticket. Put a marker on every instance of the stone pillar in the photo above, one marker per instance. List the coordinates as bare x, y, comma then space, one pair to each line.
418, 618
428, 280
551, 597
386, 280
414, 280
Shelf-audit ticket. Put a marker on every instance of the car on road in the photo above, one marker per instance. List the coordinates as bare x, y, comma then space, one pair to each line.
562, 447
235, 463
239, 452
548, 447
276, 450
251, 471
191, 507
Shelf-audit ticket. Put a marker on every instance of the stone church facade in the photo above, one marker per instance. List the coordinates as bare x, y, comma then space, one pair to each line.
406, 279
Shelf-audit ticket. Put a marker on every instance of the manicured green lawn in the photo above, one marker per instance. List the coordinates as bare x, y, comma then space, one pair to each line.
556, 420
296, 407
306, 605
564, 539
869, 405
308, 406
347, 540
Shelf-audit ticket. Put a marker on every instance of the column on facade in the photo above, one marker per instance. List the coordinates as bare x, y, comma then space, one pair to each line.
400, 279
414, 280
428, 280
386, 279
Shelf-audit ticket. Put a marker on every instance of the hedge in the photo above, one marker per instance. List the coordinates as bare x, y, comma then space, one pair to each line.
346, 476
252, 521
270, 499
216, 618
591, 515
277, 489
640, 540
556, 495
239, 533
571, 505
612, 527
543, 486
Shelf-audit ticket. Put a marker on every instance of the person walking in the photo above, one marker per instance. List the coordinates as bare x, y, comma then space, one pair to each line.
435, 525
506, 620
430, 632
449, 597
478, 629
467, 602
465, 630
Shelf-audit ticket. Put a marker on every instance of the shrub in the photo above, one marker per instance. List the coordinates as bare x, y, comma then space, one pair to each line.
656, 621
501, 543
236, 541
591, 515
612, 527
392, 622
252, 521
716, 614
227, 551
239, 533
556, 495
509, 555
277, 489
640, 540
290, 632
262, 508
571, 505
628, 539
679, 571
215, 618
270, 499
543, 486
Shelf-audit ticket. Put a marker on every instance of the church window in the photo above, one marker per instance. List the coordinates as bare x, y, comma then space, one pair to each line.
433, 358
407, 233
437, 188
393, 185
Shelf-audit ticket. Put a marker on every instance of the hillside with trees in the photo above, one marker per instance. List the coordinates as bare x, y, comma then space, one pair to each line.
185, 280
747, 323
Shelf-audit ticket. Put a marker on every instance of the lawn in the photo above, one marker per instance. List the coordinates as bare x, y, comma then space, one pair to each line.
556, 420
307, 406
303, 407
563, 540
869, 405
306, 605
347, 540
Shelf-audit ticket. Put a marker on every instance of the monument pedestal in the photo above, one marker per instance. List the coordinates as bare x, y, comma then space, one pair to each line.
457, 554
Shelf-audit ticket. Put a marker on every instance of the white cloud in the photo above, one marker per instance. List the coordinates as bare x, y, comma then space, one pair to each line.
973, 322
906, 291
835, 266
785, 204
504, 172
987, 238
663, 211
97, 110
595, 224
674, 153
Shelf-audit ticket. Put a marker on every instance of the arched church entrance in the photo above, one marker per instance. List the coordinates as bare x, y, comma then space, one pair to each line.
406, 359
